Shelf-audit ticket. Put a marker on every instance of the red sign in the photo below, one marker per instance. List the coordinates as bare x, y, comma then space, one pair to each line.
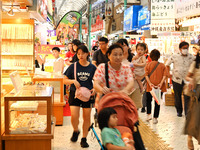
98, 25
46, 49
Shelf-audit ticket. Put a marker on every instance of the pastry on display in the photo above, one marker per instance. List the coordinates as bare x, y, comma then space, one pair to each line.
28, 124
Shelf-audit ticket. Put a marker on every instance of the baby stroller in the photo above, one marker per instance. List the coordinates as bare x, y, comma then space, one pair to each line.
127, 115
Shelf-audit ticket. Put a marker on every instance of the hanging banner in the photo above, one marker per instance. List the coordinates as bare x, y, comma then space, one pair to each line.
187, 8
70, 18
109, 9
128, 13
162, 26
131, 18
161, 9
143, 17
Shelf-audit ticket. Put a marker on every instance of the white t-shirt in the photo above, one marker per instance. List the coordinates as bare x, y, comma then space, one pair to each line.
181, 66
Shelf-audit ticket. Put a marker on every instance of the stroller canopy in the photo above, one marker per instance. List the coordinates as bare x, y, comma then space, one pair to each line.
124, 106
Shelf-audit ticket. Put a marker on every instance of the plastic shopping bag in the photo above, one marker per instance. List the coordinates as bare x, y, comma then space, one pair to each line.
156, 94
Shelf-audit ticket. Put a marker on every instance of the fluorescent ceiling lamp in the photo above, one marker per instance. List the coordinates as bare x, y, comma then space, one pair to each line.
10, 12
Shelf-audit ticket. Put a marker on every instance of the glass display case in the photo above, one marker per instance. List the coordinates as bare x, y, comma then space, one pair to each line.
28, 118
57, 83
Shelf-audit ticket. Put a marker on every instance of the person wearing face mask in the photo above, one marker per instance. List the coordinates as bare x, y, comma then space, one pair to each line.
181, 63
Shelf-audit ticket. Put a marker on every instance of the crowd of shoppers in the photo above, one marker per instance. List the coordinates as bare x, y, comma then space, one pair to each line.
125, 73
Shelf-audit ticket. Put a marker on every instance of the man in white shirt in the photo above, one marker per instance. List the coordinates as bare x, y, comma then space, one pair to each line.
181, 63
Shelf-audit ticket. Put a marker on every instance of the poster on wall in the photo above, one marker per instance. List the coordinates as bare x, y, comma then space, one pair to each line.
162, 26
161, 9
186, 8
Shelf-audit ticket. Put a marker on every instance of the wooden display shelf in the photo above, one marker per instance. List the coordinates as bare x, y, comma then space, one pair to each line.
17, 40
15, 54
22, 68
57, 106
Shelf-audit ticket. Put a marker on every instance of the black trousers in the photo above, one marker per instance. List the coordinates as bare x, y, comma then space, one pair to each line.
156, 108
178, 89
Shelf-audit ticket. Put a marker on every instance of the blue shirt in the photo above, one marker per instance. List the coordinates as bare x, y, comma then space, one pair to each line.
84, 75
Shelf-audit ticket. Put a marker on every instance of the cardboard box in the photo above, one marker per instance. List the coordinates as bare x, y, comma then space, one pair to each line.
169, 100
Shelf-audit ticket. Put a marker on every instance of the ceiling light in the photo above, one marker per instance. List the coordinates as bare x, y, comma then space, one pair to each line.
10, 12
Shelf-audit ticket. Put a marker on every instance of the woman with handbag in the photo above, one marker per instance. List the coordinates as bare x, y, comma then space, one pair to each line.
156, 74
192, 126
79, 76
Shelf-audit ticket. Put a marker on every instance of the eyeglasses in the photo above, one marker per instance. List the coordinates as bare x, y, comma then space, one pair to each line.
102, 43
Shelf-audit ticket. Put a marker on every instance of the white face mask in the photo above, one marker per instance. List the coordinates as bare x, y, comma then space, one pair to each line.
184, 51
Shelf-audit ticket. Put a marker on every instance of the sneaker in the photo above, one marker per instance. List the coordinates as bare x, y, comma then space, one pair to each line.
148, 117
155, 120
84, 143
179, 114
75, 135
143, 110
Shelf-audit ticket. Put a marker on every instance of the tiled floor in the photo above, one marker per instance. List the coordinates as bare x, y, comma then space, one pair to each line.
169, 127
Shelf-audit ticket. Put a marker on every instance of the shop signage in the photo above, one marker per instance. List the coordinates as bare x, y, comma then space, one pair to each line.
128, 13
117, 2
109, 9
42, 5
143, 17
161, 9
131, 18
162, 26
98, 25
183, 34
46, 49
187, 8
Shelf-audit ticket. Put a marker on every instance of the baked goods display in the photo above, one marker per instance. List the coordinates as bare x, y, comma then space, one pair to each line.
24, 106
28, 124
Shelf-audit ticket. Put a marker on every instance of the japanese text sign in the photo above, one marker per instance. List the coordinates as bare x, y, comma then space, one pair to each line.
161, 9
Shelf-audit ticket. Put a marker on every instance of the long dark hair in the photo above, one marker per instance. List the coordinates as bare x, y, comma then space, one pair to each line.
198, 60
122, 42
104, 116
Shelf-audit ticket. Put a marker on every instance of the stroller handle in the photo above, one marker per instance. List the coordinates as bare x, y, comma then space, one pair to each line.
91, 127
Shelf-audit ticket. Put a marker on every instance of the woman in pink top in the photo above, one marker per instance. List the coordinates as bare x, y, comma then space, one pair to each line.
120, 75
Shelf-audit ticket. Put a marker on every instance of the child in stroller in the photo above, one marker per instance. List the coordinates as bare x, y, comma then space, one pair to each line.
110, 135
125, 112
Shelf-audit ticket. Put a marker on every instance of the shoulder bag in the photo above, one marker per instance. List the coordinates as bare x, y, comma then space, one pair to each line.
82, 93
